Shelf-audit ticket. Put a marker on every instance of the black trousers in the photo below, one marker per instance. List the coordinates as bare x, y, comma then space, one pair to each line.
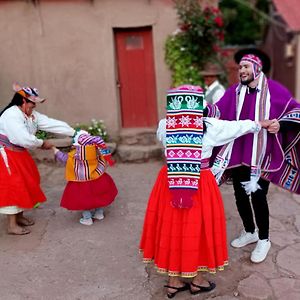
258, 199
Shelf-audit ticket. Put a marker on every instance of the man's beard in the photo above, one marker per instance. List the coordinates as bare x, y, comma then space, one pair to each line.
246, 82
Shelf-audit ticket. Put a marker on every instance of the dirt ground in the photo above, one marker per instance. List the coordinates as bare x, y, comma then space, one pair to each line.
62, 259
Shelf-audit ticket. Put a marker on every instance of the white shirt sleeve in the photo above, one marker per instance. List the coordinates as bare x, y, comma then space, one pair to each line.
220, 132
161, 132
14, 127
218, 94
52, 125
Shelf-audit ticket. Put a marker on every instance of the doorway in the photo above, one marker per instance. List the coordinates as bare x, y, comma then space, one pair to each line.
136, 77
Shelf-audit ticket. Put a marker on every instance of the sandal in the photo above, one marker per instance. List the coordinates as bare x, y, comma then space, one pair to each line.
25, 222
22, 232
202, 289
178, 290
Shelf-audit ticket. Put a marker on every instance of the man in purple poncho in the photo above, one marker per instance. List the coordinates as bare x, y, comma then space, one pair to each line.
256, 159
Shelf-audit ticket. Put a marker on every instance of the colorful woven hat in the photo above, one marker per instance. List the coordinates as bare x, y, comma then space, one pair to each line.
256, 63
184, 133
29, 93
265, 59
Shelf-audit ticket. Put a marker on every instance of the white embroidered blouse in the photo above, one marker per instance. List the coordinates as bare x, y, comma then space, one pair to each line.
218, 132
21, 129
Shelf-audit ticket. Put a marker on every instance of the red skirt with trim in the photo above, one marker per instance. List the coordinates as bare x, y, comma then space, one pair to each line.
86, 195
20, 187
182, 242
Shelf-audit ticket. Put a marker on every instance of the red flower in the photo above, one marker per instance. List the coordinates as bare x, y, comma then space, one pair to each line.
206, 9
218, 20
216, 48
185, 27
221, 35
215, 10
225, 53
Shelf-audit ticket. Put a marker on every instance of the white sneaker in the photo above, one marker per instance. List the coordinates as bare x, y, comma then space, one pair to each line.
261, 250
99, 215
84, 221
244, 239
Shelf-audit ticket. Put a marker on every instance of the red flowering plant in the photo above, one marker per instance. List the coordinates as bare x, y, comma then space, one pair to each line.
198, 39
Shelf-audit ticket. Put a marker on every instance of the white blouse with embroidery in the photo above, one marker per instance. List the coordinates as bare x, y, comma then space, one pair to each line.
218, 132
21, 129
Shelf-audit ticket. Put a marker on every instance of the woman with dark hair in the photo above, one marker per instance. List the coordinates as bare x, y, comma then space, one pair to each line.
184, 228
19, 176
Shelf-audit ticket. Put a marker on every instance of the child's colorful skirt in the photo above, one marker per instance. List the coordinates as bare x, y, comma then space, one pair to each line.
86, 195
19, 181
182, 242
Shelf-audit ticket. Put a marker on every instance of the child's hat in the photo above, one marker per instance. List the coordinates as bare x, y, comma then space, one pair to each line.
77, 135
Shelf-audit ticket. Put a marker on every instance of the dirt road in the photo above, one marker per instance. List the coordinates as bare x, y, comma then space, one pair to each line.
62, 259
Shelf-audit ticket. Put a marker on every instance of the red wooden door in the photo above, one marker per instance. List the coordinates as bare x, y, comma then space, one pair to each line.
136, 77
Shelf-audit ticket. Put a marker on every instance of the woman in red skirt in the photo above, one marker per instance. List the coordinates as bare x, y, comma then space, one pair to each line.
89, 188
19, 177
184, 229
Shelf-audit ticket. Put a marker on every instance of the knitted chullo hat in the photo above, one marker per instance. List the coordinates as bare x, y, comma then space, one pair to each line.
83, 138
184, 133
256, 63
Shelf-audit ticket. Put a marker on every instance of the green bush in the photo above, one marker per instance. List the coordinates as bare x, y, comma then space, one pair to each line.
243, 23
43, 135
198, 39
94, 128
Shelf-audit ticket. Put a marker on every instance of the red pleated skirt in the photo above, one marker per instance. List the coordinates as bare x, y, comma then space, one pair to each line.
20, 187
182, 242
86, 195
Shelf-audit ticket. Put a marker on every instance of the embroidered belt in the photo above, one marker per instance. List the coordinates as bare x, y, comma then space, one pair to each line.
205, 164
5, 143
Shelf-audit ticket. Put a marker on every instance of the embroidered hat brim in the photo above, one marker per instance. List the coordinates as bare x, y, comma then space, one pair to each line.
19, 89
36, 99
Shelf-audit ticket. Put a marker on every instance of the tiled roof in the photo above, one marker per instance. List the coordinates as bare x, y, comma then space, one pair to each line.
290, 12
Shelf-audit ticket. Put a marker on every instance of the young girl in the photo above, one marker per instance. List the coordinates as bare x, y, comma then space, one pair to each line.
184, 228
89, 188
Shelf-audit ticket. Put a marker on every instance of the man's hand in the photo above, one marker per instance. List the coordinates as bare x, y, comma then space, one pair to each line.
274, 126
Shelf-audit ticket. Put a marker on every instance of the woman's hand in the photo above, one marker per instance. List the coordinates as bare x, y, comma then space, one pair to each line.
47, 145
272, 126
265, 123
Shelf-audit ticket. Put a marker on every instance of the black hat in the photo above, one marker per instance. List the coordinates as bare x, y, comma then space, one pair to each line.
265, 59
211, 69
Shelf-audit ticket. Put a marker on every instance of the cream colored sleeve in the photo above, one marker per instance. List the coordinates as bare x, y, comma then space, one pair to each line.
220, 132
161, 132
16, 131
52, 125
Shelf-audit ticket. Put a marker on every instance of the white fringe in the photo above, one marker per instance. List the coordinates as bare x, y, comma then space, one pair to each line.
4, 156
251, 186
217, 172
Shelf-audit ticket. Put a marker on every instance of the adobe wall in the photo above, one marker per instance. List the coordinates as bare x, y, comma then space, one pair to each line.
66, 49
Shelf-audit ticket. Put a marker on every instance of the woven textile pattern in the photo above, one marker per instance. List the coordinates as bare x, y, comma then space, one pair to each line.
184, 128
85, 164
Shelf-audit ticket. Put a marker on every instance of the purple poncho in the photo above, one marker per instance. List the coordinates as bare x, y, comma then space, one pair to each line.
281, 163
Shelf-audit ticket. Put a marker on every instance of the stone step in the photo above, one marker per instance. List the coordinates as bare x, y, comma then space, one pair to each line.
139, 153
138, 136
